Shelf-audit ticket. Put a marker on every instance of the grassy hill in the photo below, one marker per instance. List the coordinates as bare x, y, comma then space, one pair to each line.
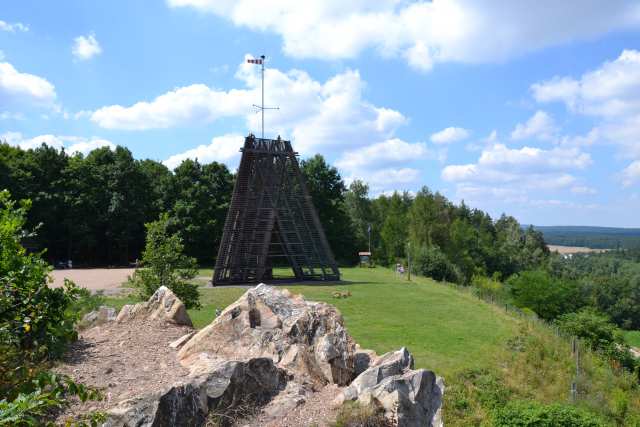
486, 355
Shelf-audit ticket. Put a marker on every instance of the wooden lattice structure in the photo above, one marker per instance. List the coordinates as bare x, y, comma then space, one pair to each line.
271, 219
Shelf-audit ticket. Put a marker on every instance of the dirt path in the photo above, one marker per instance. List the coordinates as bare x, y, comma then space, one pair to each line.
107, 280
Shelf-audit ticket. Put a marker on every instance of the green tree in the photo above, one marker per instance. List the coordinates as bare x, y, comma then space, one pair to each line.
394, 228
327, 191
358, 207
549, 297
164, 264
198, 200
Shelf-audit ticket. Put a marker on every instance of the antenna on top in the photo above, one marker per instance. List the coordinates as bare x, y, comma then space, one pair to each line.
261, 107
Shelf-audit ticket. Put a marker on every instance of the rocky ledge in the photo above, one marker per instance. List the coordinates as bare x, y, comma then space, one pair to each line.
266, 355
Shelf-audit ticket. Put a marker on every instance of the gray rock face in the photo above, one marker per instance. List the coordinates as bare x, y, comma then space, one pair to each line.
163, 306
308, 339
97, 317
411, 397
228, 390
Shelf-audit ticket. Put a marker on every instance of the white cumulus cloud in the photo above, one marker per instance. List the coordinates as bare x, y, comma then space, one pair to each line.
223, 149
611, 94
449, 135
71, 144
331, 114
424, 33
86, 47
541, 126
514, 174
23, 88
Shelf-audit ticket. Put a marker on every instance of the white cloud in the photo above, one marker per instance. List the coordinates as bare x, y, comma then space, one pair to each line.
184, 105
424, 33
390, 151
611, 90
514, 174
449, 135
224, 149
86, 47
540, 126
12, 28
631, 174
611, 94
71, 144
24, 88
332, 114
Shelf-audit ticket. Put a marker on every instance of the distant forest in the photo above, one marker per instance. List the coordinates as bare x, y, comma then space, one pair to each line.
591, 237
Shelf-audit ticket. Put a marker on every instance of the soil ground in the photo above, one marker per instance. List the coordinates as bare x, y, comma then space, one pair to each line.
124, 360
108, 280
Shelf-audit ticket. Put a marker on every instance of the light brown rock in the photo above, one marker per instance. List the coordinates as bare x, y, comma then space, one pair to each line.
163, 306
308, 339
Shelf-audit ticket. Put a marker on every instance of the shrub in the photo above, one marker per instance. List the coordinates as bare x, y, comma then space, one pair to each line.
549, 297
599, 333
36, 321
36, 324
164, 264
530, 414
488, 286
430, 261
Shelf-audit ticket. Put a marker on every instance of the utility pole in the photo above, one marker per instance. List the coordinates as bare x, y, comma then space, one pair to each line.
409, 261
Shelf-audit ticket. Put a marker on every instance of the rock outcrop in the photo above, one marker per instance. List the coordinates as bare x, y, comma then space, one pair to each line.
270, 352
163, 306
411, 397
230, 390
308, 339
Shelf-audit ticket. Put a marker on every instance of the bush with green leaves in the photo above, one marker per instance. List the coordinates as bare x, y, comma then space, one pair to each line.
36, 324
430, 261
548, 296
534, 414
164, 264
48, 393
599, 333
488, 287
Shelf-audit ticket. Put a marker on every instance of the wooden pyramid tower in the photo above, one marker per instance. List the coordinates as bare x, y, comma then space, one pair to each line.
271, 216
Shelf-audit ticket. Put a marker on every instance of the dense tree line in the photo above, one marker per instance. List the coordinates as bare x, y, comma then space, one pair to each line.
446, 241
92, 209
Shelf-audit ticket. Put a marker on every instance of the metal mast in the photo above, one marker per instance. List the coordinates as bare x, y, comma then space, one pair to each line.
261, 107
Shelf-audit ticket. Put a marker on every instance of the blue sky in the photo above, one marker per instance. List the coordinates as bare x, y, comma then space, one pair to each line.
530, 108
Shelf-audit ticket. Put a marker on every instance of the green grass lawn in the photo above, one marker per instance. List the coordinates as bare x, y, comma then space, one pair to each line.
632, 338
446, 330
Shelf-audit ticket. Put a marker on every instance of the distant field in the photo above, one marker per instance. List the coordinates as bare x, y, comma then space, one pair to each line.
573, 249
446, 330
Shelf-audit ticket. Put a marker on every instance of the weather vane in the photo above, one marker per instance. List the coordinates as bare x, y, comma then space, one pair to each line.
261, 107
